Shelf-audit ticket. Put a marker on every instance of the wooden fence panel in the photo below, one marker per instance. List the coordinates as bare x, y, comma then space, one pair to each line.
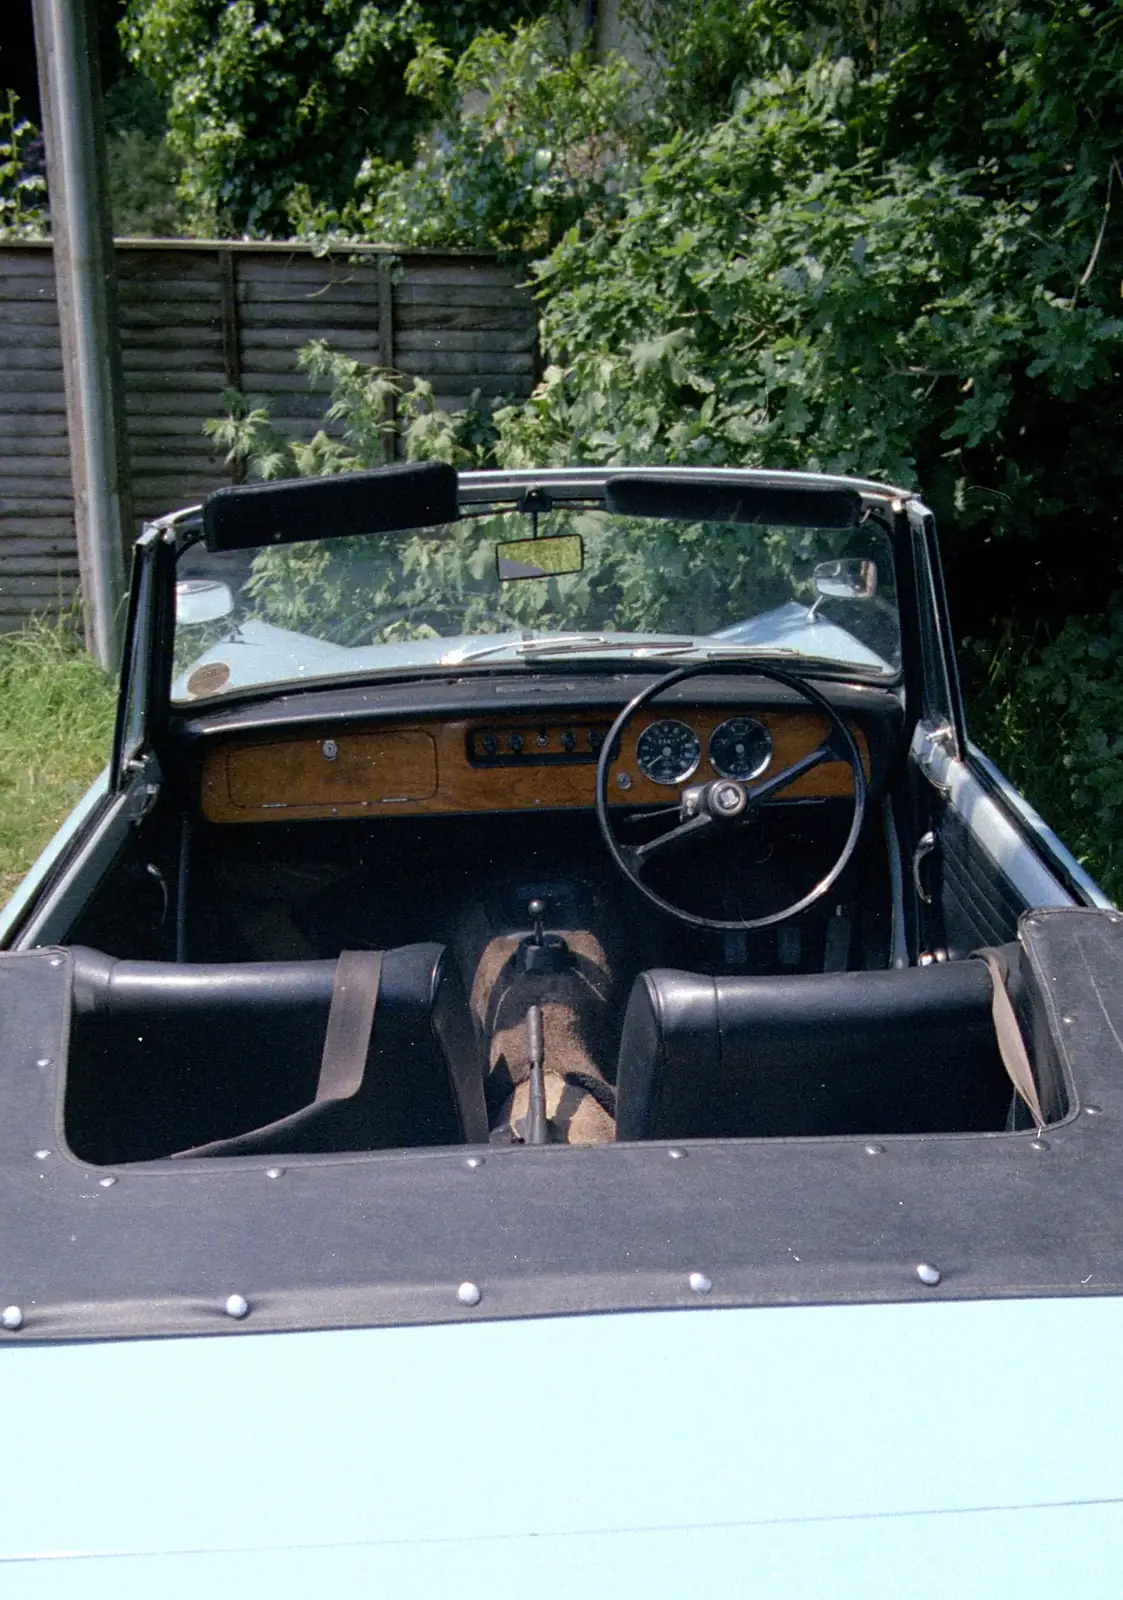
197, 318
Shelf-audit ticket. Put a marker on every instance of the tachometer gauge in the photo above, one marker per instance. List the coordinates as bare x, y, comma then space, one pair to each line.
741, 748
668, 752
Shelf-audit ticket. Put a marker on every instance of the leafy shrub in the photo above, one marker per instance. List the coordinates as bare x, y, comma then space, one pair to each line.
143, 178
264, 95
530, 135
1049, 711
370, 408
23, 192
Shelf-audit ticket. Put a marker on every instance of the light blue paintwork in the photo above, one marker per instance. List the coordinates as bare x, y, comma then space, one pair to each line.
11, 913
791, 627
263, 654
909, 1451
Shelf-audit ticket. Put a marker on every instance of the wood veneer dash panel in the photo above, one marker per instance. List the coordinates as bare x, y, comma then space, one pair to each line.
425, 770
391, 766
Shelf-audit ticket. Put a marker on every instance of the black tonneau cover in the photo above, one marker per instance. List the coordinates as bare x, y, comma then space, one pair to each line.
309, 1242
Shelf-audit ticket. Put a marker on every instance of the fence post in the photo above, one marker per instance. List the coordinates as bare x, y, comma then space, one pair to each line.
86, 289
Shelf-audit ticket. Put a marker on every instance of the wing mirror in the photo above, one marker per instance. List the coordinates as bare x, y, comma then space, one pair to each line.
201, 600
853, 578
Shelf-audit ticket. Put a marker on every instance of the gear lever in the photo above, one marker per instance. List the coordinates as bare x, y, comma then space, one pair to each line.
541, 952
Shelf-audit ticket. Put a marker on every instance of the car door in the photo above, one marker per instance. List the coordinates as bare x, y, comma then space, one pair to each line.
979, 855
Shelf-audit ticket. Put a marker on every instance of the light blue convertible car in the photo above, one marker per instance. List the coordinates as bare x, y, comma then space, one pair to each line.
549, 1066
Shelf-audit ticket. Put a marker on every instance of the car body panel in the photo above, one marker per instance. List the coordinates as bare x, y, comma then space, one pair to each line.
827, 1451
51, 854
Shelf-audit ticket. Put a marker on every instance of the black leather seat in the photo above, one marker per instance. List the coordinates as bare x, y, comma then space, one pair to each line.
910, 1051
166, 1058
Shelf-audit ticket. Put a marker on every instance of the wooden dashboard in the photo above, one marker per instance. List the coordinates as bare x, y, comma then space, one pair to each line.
513, 763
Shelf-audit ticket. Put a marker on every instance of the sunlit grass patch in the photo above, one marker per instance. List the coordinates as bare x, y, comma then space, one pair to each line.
56, 722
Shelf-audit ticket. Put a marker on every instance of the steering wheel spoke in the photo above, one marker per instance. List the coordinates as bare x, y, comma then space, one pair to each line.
673, 839
761, 792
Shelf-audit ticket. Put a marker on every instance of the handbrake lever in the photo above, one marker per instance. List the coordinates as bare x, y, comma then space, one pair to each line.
537, 1127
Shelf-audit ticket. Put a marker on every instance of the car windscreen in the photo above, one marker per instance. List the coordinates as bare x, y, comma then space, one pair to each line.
491, 585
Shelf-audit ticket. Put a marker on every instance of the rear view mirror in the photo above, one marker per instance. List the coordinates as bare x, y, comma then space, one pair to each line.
854, 578
200, 600
539, 558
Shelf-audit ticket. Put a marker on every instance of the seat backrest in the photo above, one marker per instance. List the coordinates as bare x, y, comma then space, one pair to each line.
166, 1056
910, 1051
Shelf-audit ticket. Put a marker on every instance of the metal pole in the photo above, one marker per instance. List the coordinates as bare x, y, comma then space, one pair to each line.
86, 288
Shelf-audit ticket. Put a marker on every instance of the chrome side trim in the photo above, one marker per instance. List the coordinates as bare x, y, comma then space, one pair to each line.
989, 823
1054, 849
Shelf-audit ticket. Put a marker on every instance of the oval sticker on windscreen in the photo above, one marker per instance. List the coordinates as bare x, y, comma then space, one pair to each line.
548, 557
210, 679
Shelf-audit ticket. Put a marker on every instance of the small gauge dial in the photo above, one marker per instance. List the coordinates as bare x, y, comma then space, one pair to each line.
668, 752
740, 748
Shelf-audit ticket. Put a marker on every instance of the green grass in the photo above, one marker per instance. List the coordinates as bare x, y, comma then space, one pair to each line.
56, 723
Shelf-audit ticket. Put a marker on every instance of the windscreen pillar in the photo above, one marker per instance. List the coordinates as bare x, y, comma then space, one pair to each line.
86, 289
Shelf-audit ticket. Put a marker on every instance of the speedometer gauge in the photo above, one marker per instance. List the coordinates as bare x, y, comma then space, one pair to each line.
740, 748
668, 752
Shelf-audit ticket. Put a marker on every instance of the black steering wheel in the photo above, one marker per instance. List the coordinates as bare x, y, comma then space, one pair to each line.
717, 808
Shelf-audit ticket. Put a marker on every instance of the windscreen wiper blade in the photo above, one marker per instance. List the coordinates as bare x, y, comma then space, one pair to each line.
545, 648
570, 644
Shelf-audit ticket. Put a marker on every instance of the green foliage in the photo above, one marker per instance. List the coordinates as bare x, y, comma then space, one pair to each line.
530, 135
56, 721
1049, 711
370, 408
143, 177
23, 195
776, 291
144, 172
709, 50
265, 95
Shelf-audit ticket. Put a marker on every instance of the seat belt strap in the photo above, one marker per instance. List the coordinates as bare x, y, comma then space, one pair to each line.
1011, 1045
354, 997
